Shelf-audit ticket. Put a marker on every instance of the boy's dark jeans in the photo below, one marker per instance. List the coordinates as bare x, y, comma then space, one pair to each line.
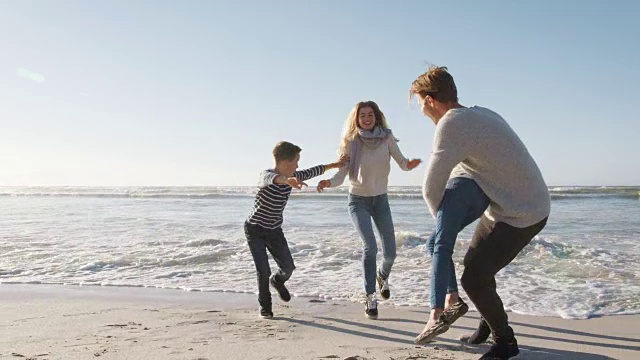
260, 240
494, 246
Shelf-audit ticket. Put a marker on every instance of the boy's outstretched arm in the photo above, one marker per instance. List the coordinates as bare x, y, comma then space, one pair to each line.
269, 177
310, 173
343, 161
320, 169
291, 181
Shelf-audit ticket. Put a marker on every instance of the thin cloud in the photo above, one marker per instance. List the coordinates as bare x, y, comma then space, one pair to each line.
28, 74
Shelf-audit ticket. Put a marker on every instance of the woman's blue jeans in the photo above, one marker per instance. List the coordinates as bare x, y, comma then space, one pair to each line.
362, 210
463, 203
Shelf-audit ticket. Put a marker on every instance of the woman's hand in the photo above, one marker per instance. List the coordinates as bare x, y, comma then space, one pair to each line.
323, 184
413, 163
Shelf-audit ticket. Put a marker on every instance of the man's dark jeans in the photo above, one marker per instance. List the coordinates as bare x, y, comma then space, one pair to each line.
494, 246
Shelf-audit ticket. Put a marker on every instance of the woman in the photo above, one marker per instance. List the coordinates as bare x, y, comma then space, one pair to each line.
370, 145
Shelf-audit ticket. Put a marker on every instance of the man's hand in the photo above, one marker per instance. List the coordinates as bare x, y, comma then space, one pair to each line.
323, 184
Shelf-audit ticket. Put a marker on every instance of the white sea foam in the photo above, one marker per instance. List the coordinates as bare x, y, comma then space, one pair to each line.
585, 263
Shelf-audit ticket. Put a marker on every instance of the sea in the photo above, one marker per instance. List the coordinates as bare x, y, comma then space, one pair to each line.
585, 263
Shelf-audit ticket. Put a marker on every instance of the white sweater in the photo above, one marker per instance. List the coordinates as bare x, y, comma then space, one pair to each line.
373, 176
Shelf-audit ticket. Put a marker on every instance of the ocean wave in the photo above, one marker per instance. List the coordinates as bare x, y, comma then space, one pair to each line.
105, 265
410, 239
595, 192
203, 242
202, 259
121, 195
216, 192
178, 274
8, 273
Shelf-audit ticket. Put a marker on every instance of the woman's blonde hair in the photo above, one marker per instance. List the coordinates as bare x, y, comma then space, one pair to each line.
351, 126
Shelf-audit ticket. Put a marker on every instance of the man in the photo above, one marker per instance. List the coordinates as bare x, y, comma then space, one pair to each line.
490, 152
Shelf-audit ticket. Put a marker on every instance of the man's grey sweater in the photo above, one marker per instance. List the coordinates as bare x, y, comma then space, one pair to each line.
490, 152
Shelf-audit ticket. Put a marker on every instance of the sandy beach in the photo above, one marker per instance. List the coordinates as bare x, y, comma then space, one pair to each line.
73, 322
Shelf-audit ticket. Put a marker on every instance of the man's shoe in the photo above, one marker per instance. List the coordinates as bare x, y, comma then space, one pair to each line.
502, 350
479, 336
280, 288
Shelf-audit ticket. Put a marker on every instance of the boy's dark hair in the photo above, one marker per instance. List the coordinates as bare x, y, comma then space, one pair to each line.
284, 151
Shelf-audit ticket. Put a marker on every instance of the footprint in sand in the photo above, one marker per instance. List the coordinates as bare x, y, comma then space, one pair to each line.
99, 353
34, 357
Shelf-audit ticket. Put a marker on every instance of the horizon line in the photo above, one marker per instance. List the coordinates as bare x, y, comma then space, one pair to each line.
178, 186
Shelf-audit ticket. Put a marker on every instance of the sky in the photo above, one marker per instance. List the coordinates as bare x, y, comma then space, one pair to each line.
119, 93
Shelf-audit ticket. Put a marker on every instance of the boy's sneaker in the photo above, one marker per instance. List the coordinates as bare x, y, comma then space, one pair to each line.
280, 288
371, 307
455, 311
383, 285
265, 312
502, 350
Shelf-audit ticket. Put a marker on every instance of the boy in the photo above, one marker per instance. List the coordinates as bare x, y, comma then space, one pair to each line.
263, 227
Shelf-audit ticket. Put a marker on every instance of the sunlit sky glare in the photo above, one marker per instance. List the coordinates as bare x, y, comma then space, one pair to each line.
198, 92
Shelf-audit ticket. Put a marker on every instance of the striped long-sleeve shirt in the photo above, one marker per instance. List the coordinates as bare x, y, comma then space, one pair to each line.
272, 198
